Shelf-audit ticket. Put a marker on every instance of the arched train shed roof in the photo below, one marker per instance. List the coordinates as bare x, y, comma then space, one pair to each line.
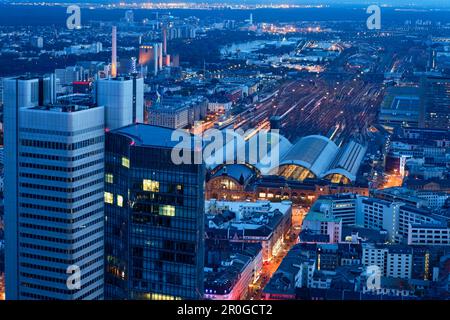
314, 153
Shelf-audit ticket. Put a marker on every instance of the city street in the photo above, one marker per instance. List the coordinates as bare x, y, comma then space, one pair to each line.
269, 268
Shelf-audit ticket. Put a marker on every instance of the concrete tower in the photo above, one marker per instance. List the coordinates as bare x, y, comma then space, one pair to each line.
164, 36
114, 52
53, 194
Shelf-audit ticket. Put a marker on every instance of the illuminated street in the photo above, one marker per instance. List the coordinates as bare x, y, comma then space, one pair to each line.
270, 267
392, 180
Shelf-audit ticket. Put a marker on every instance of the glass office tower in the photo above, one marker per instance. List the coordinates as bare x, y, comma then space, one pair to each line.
154, 217
436, 99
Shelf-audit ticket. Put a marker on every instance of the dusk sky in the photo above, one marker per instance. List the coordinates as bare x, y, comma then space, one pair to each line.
439, 3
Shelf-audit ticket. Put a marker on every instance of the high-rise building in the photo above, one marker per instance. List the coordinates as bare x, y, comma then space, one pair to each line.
54, 161
69, 75
436, 100
154, 217
123, 99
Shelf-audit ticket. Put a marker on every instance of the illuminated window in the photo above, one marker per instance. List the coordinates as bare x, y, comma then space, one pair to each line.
109, 198
109, 178
126, 162
119, 200
150, 185
158, 296
167, 210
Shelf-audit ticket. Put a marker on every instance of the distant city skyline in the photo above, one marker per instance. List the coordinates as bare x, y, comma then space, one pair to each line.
426, 3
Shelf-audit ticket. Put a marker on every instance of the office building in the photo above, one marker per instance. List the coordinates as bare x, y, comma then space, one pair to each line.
400, 194
391, 211
154, 217
319, 227
177, 111
69, 75
393, 260
436, 99
170, 116
433, 199
82, 49
219, 104
54, 194
429, 234
392, 216
399, 262
123, 99
341, 206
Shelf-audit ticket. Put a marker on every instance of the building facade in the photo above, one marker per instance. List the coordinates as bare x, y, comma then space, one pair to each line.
54, 196
429, 234
393, 260
436, 97
154, 218
123, 99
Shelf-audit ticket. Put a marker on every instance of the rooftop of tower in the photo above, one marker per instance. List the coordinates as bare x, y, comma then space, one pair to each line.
153, 136
65, 108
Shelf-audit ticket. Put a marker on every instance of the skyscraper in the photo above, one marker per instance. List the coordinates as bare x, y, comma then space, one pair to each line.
20, 92
54, 161
436, 100
154, 217
123, 99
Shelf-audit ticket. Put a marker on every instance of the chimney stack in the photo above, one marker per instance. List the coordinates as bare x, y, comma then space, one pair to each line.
114, 52
165, 41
